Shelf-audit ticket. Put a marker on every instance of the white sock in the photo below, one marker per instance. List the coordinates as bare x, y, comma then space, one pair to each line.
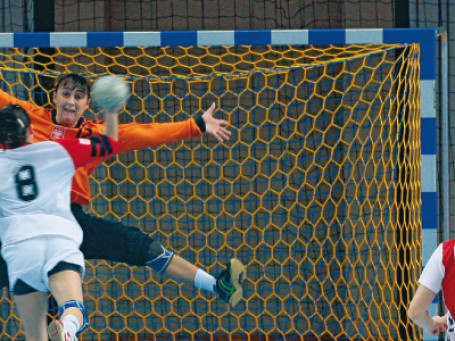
71, 324
204, 281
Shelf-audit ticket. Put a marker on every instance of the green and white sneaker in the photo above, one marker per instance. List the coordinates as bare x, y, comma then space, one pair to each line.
228, 284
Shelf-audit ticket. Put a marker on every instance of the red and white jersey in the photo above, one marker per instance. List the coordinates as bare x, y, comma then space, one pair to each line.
439, 273
35, 186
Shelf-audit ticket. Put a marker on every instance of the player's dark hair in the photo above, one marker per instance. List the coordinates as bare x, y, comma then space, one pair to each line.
77, 80
14, 122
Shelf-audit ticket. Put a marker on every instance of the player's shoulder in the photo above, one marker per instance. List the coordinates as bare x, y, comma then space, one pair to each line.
449, 244
35, 151
43, 145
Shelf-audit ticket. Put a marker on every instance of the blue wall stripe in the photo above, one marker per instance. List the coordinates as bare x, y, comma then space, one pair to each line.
257, 37
178, 38
429, 210
426, 38
104, 39
326, 37
429, 135
36, 39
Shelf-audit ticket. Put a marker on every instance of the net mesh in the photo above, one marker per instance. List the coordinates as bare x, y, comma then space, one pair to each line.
317, 192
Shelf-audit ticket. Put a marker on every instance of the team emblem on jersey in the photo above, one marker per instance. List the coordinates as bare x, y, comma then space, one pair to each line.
57, 132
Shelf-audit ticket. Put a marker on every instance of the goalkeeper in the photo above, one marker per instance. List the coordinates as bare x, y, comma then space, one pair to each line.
106, 239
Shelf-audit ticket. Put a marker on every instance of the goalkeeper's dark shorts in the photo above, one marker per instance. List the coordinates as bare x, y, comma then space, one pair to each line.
111, 240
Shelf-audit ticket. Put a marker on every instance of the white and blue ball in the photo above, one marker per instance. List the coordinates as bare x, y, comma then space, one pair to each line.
109, 92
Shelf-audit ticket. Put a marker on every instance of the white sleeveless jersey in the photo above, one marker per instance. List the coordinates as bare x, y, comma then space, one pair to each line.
35, 185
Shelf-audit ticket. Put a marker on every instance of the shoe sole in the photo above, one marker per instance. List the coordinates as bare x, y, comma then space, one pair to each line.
237, 278
55, 331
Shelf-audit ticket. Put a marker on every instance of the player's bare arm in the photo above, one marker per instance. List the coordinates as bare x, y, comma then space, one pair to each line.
418, 311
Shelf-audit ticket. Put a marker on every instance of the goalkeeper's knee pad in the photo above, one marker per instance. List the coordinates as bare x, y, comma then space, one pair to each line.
160, 257
75, 304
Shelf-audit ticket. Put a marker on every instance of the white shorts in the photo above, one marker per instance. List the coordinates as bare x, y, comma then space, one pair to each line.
32, 259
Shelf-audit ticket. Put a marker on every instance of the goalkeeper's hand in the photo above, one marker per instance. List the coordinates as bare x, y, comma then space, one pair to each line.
214, 126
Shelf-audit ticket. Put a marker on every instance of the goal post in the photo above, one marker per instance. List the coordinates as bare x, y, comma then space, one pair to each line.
326, 191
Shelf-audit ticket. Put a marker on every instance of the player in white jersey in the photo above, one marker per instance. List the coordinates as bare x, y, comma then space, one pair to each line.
437, 275
39, 234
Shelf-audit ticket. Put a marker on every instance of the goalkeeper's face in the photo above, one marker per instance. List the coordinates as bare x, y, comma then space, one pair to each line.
71, 101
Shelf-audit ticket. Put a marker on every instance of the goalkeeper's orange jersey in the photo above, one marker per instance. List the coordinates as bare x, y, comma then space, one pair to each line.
131, 136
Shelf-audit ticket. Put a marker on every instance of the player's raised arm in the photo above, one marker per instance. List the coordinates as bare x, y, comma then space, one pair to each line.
111, 119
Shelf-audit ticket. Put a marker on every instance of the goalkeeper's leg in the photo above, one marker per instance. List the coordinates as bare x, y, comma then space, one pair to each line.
109, 240
227, 285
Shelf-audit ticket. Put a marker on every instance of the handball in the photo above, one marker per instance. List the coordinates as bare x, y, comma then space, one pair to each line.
109, 92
